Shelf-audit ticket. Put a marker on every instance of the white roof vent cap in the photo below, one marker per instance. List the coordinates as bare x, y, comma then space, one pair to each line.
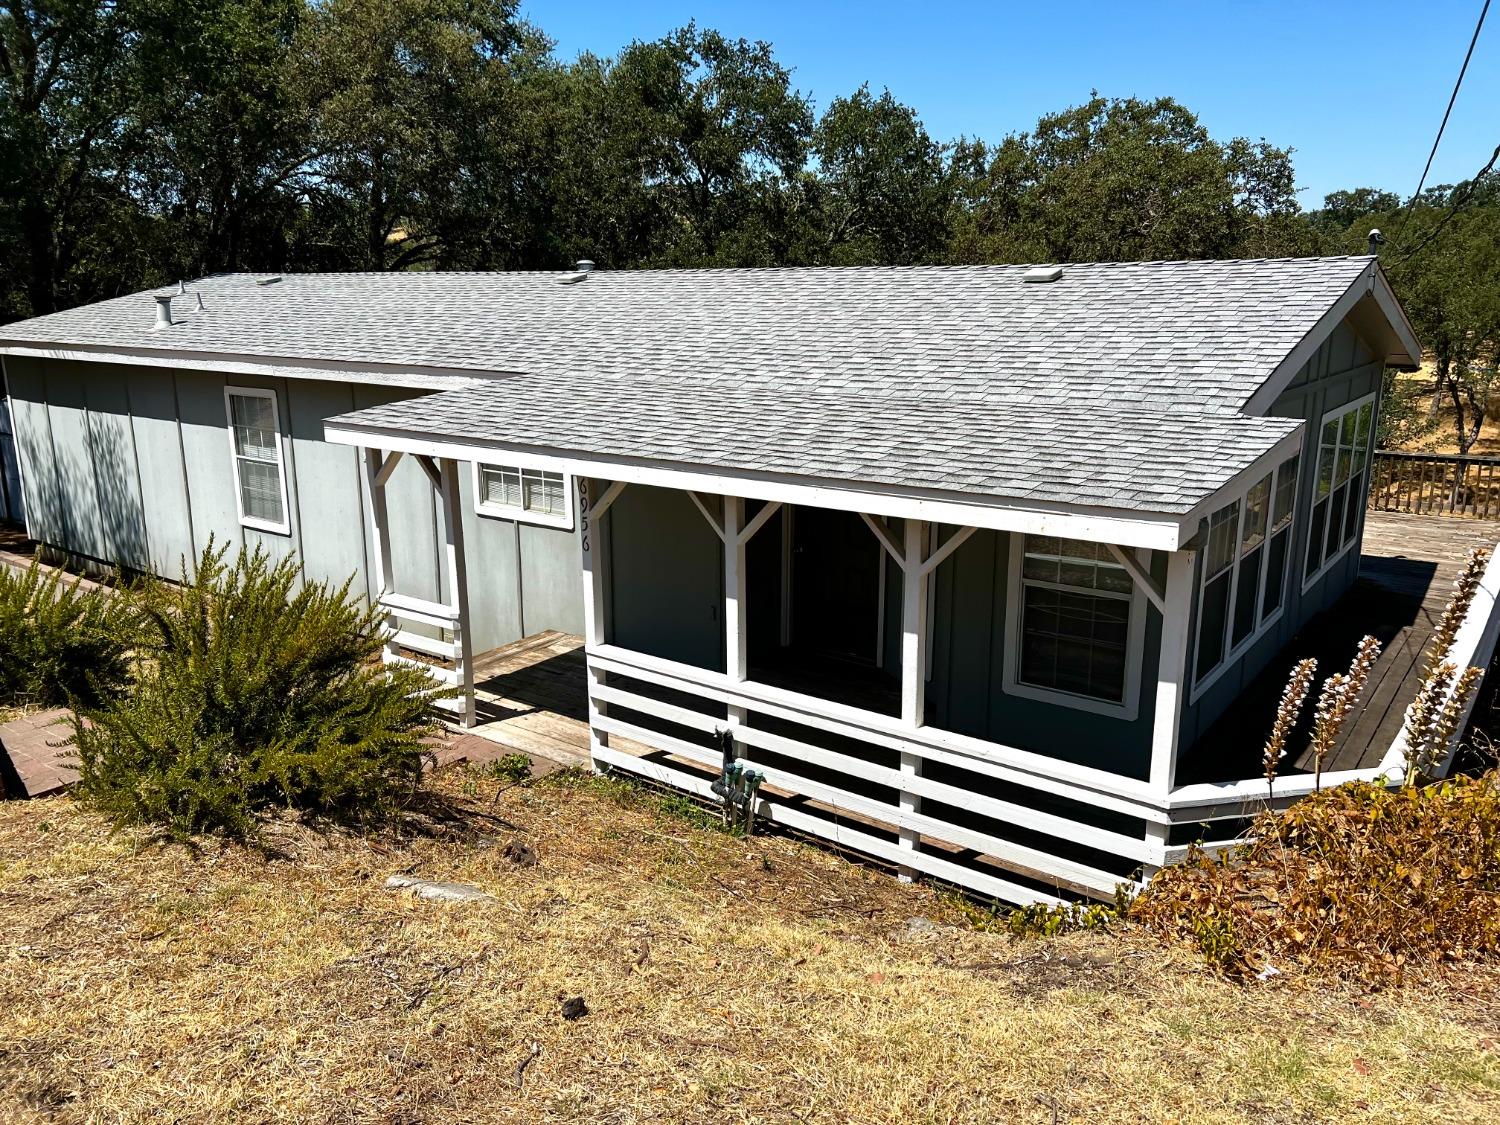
581, 270
1042, 273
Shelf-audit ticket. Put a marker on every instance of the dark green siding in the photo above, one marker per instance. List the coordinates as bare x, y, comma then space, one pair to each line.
666, 578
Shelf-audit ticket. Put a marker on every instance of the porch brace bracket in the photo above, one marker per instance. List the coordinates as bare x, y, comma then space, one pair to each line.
606, 498
887, 537
434, 474
739, 535
897, 550
1152, 588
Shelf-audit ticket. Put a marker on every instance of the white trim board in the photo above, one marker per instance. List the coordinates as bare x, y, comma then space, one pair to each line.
270, 367
1154, 531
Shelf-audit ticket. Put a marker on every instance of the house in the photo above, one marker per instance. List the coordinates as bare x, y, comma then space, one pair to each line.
961, 558
141, 435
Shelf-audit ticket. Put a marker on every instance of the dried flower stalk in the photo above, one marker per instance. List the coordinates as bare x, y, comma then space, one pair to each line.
1336, 701
1465, 586
1287, 713
1433, 717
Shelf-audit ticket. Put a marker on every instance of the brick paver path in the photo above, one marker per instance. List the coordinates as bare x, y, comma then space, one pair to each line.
37, 761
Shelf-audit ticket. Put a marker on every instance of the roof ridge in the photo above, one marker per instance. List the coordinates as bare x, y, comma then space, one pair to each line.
940, 267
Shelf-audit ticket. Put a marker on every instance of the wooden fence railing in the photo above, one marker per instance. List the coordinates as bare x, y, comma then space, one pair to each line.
1436, 483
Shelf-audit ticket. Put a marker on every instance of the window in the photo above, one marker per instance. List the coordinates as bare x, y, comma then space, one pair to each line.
255, 447
531, 495
1078, 622
1244, 569
1343, 462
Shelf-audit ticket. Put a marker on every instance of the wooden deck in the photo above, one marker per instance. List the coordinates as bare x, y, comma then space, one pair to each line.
1405, 578
530, 696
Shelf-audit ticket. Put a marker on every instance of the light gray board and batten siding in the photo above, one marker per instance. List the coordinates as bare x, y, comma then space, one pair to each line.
1342, 370
11, 508
132, 464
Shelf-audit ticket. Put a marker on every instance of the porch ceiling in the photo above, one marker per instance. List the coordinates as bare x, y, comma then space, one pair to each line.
1130, 461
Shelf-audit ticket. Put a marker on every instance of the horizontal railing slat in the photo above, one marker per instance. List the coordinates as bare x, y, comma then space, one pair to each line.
838, 833
1044, 864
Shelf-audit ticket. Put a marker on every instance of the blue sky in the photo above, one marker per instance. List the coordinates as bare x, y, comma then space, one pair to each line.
1356, 88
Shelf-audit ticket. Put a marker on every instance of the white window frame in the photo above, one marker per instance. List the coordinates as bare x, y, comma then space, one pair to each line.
1263, 622
521, 515
284, 527
1135, 640
1338, 412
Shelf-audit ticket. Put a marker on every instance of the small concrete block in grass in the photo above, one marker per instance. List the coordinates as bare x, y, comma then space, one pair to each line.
434, 891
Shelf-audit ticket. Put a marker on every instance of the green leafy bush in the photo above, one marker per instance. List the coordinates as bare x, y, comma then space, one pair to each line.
513, 768
255, 691
61, 645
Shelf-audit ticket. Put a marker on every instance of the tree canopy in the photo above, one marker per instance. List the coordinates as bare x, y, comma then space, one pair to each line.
149, 140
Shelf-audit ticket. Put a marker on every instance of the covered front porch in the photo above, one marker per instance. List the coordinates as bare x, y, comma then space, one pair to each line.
823, 719
862, 661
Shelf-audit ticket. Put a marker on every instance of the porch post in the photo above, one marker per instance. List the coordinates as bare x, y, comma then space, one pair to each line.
593, 610
377, 472
1172, 670
458, 586
735, 590
913, 665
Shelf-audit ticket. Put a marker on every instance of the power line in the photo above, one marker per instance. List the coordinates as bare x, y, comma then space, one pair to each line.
1455, 203
1439, 138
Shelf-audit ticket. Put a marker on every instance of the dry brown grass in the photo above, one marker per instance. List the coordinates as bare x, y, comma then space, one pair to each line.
728, 980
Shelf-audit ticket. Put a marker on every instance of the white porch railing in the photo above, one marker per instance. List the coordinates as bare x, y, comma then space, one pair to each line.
447, 617
844, 816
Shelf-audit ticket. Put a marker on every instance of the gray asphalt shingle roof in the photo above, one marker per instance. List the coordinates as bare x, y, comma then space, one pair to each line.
1122, 458
1118, 385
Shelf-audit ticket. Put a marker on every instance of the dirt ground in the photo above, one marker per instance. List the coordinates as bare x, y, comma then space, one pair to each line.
726, 980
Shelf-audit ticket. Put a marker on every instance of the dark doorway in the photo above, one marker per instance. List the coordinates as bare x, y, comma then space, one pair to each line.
835, 586
819, 604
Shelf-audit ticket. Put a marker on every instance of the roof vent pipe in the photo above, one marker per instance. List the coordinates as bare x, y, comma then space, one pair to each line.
1376, 239
164, 310
581, 270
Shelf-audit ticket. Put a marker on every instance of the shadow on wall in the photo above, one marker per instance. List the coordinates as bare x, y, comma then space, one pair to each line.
85, 503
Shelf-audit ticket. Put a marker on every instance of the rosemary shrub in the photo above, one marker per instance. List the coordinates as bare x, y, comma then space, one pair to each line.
255, 690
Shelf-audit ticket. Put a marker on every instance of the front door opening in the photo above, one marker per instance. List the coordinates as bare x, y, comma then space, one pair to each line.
824, 609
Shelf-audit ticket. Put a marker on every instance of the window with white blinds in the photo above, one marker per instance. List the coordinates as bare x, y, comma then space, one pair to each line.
533, 495
1076, 620
256, 451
